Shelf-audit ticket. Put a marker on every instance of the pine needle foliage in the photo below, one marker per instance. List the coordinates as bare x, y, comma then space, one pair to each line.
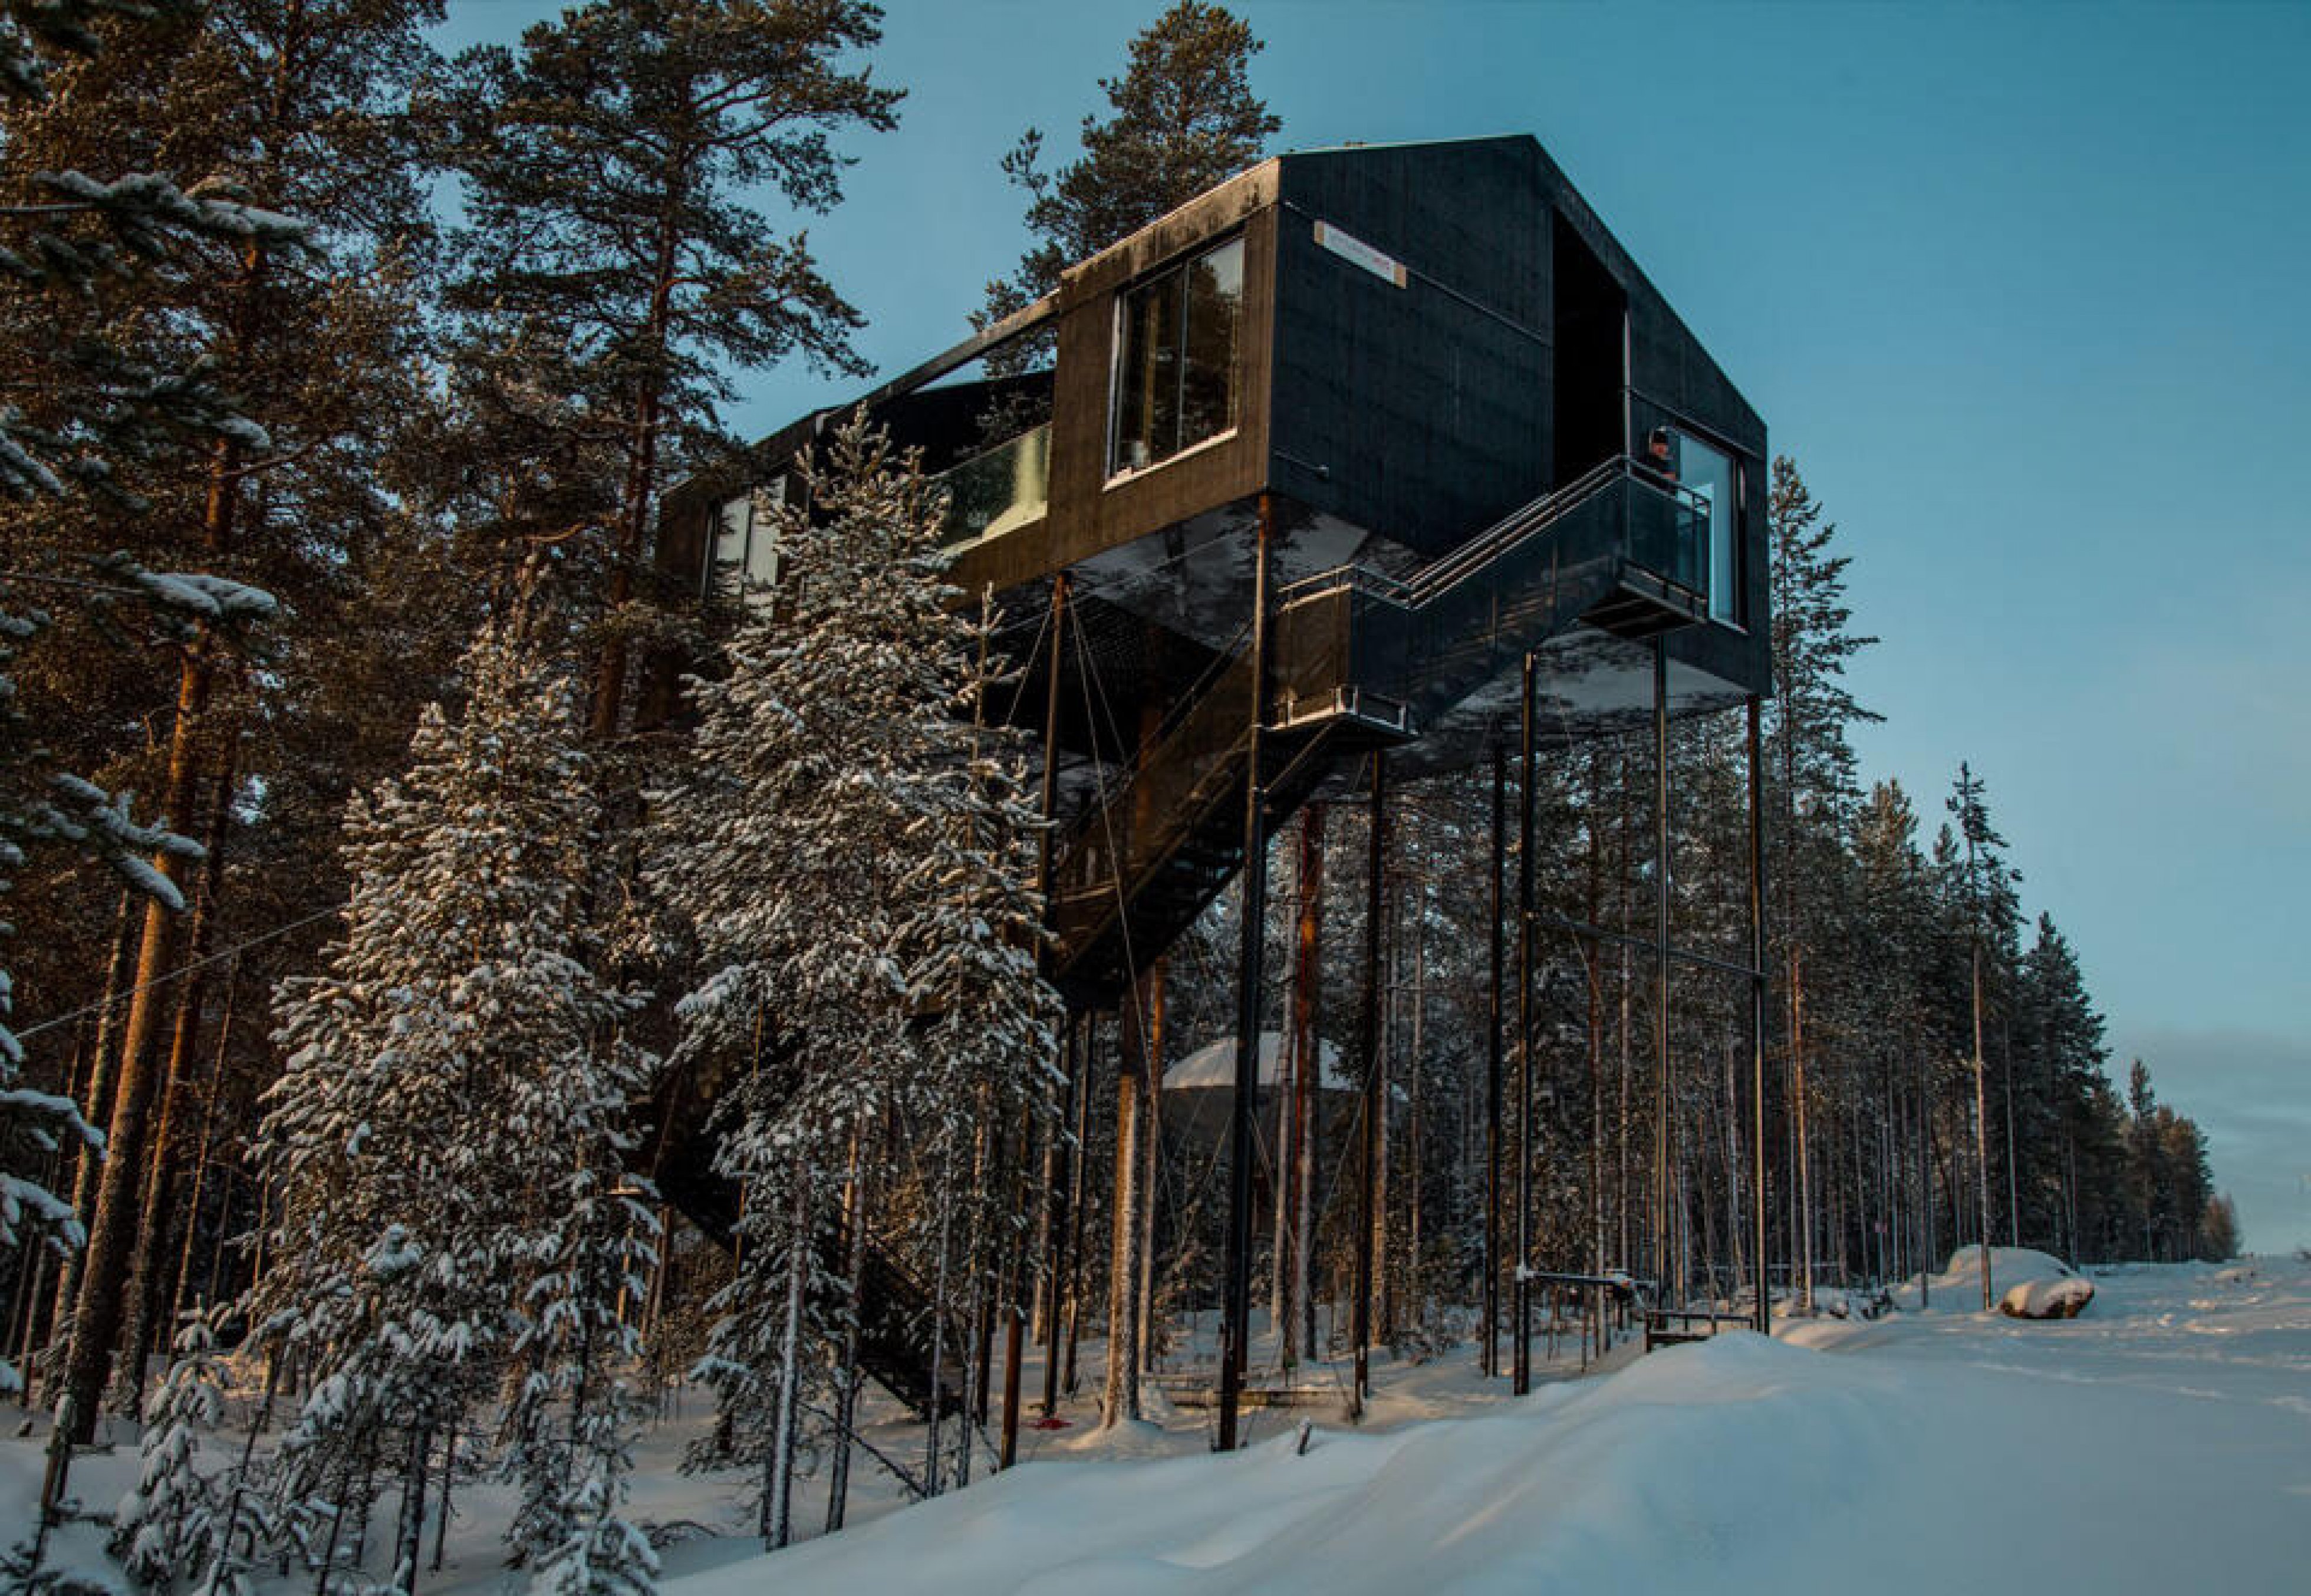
1181, 118
853, 850
416, 1271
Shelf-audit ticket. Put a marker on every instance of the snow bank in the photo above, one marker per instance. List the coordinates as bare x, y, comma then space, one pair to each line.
1737, 1465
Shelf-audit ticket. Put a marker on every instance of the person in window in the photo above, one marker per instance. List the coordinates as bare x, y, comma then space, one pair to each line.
1659, 455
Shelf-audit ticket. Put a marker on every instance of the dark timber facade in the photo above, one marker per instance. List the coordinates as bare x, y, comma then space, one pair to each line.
1367, 463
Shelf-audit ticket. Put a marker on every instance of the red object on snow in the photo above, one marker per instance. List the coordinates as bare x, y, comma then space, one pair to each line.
1048, 1424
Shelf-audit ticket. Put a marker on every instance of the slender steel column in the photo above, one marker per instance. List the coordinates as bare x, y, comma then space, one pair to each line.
1059, 1178
1014, 1314
1757, 1016
1368, 1019
1492, 1364
1662, 1184
1527, 824
1236, 1306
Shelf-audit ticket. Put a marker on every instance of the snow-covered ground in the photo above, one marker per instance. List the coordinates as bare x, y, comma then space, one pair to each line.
2159, 1442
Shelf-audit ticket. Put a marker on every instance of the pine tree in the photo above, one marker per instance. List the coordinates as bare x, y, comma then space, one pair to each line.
1181, 118
414, 1269
169, 1527
272, 112
850, 848
616, 254
1812, 770
2059, 1058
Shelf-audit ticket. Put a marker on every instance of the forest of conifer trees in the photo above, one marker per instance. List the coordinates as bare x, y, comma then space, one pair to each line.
458, 851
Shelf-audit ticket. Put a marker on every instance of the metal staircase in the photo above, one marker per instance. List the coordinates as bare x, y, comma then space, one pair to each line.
894, 1309
1359, 660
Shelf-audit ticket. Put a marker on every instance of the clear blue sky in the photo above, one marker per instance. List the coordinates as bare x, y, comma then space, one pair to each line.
2026, 290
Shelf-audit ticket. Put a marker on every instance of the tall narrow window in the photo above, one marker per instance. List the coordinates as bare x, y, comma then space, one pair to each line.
1709, 472
744, 562
1175, 367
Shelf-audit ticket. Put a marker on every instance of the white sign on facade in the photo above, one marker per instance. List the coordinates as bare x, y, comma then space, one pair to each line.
1358, 253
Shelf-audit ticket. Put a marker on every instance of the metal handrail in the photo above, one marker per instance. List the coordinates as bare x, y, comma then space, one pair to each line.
1514, 527
1359, 579
1423, 588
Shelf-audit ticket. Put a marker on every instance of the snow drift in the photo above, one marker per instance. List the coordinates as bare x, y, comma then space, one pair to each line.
1735, 1465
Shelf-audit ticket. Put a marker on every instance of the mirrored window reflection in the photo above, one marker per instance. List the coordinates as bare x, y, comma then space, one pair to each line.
745, 559
1175, 371
1709, 472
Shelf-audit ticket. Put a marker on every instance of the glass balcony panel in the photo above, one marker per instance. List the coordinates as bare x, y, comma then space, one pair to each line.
1003, 488
1708, 473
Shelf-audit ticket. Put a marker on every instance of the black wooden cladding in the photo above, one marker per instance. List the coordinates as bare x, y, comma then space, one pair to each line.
1426, 404
1495, 374
1417, 406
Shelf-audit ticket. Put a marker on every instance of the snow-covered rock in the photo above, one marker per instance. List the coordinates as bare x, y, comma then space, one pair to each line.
2029, 1284
2062, 1298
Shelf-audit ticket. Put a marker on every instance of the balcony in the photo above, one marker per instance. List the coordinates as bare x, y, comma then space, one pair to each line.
999, 490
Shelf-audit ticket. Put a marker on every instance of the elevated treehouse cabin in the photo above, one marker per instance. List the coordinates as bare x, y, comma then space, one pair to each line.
1343, 440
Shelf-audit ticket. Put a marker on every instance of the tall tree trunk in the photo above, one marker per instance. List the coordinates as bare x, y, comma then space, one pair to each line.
149, 1261
1981, 1134
99, 1310
637, 496
216, 1084
99, 1306
1804, 1152
1120, 1399
96, 1105
409, 1526
1295, 1324
846, 1400
1416, 1174
1151, 1172
778, 1501
1078, 1188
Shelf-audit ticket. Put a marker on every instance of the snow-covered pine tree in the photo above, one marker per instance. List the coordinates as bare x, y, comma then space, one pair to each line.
576, 1408
168, 1525
448, 1130
853, 851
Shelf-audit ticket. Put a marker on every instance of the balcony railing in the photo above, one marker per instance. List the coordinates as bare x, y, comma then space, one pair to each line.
1000, 489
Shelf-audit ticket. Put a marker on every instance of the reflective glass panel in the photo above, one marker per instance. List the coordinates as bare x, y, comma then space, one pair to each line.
1709, 472
745, 562
1175, 365
1207, 373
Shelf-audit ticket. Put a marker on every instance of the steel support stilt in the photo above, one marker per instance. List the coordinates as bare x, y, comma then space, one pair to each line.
1058, 1188
1527, 824
1493, 1104
1236, 1312
1015, 1311
1368, 1020
1662, 1229
1757, 1014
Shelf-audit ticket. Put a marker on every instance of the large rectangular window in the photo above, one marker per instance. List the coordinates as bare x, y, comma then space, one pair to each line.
1708, 472
1176, 353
